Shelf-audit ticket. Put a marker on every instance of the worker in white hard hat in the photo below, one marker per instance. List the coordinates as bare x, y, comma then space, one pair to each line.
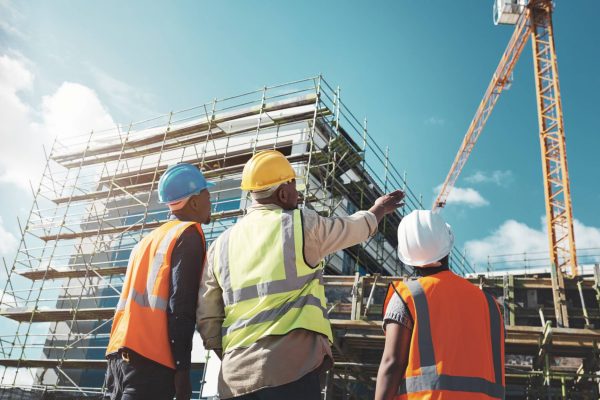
262, 305
444, 337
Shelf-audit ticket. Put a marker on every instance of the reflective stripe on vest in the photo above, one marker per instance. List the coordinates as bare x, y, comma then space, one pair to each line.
287, 302
429, 379
147, 299
291, 281
274, 313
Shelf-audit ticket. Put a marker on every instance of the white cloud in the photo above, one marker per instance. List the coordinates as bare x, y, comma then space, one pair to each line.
513, 237
500, 178
8, 241
586, 237
464, 196
72, 109
18, 132
435, 121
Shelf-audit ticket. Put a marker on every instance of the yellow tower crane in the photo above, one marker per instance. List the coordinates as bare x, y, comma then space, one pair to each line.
533, 18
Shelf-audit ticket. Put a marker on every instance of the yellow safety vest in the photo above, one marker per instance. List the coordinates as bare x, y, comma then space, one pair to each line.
268, 287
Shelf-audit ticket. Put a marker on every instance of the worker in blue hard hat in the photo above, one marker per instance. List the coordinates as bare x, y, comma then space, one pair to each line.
182, 183
149, 351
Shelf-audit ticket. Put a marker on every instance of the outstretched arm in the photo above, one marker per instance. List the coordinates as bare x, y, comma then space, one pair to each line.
326, 235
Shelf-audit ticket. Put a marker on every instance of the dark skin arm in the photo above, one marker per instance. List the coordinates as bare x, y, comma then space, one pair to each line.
393, 362
183, 385
387, 204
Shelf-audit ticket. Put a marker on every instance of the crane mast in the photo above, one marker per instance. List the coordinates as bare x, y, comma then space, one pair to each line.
559, 214
535, 20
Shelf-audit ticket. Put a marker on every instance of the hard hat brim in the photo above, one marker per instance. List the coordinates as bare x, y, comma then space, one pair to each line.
208, 185
250, 188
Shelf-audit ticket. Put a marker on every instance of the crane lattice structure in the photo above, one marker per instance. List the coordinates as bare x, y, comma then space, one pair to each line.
533, 19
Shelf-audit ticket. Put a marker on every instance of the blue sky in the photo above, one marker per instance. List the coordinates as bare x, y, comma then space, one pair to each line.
417, 70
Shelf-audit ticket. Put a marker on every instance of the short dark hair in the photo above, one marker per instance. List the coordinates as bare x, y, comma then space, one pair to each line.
445, 261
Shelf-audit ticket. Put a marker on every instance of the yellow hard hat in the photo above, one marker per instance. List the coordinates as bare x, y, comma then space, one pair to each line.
265, 169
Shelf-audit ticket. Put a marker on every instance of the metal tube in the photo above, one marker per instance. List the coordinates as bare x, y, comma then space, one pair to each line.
583, 307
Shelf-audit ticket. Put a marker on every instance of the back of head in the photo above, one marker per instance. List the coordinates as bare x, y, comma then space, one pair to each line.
179, 183
423, 238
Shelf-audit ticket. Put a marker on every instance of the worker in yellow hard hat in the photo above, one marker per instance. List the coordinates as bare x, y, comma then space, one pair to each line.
262, 304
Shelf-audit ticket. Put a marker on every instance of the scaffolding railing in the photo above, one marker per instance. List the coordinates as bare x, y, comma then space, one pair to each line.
97, 197
541, 360
535, 262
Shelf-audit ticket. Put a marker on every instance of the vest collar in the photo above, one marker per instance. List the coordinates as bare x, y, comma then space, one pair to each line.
263, 207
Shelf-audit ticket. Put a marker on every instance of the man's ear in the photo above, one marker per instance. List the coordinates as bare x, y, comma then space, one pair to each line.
281, 194
193, 202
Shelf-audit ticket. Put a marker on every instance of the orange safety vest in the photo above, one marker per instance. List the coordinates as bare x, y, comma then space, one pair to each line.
457, 344
140, 322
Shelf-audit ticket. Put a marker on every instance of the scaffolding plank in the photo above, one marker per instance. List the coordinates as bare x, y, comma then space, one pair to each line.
199, 127
35, 274
65, 363
519, 339
134, 152
520, 282
55, 315
135, 227
145, 186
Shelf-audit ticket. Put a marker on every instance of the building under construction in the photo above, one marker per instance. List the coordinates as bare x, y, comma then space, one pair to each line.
97, 198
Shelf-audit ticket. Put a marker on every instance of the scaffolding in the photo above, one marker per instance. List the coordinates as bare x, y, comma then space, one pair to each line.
97, 198
542, 361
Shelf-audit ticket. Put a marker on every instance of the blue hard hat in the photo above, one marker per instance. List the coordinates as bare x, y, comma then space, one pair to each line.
180, 181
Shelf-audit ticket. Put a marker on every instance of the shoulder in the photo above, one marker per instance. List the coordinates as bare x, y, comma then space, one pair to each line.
310, 218
397, 311
220, 240
191, 234
190, 240
308, 213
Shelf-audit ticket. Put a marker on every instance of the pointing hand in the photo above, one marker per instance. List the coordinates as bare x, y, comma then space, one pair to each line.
387, 203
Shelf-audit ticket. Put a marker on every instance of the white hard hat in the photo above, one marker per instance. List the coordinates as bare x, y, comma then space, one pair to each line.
423, 238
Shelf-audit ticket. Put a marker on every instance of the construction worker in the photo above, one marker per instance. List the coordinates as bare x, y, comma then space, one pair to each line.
444, 337
263, 307
149, 352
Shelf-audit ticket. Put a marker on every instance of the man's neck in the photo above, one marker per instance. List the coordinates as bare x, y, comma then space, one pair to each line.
430, 270
266, 202
181, 217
